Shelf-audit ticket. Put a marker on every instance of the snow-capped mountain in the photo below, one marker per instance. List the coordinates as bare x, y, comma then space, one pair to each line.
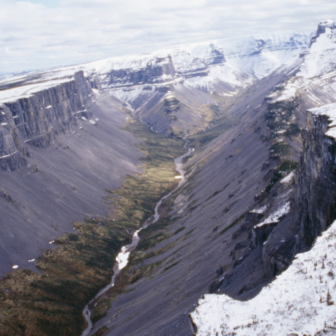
260, 55
223, 65
256, 56
315, 76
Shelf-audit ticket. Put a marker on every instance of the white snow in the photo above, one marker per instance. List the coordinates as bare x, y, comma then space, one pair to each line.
322, 54
26, 91
96, 92
329, 111
288, 93
246, 58
275, 216
3, 124
31, 260
260, 210
122, 257
226, 73
300, 301
288, 178
15, 266
8, 155
315, 78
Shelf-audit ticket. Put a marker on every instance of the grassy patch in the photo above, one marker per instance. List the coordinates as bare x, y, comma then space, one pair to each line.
205, 137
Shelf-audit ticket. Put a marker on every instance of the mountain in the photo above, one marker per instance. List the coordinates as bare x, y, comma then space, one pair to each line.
296, 221
87, 156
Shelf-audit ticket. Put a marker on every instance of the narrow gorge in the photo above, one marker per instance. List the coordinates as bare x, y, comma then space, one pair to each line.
89, 192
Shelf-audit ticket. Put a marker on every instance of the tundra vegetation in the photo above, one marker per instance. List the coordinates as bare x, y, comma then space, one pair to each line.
50, 302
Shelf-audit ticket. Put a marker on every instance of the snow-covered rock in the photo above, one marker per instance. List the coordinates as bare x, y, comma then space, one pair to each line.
321, 58
315, 75
330, 112
298, 302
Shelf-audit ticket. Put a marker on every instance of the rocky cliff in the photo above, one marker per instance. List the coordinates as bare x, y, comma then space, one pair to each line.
316, 192
37, 118
313, 205
157, 70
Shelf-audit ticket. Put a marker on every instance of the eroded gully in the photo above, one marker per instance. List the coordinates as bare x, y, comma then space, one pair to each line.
123, 256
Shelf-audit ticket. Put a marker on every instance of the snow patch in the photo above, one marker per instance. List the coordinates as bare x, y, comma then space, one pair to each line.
275, 216
329, 111
299, 301
260, 210
288, 178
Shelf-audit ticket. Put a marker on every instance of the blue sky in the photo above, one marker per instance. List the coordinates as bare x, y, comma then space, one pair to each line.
38, 34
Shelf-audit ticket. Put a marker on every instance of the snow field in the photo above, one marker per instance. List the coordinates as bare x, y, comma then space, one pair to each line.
300, 301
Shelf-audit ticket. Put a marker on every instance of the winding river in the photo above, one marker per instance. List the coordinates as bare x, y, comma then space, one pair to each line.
122, 258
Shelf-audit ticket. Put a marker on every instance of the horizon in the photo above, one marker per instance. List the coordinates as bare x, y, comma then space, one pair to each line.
44, 34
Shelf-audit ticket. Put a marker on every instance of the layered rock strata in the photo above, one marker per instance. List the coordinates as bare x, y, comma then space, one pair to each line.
36, 119
314, 205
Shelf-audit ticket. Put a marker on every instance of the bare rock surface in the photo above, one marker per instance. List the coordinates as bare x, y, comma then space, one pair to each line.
64, 183
211, 207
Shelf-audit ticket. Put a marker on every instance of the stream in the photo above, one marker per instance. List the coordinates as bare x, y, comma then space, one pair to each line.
122, 258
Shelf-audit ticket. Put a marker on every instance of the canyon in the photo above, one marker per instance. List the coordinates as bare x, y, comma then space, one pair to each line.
87, 151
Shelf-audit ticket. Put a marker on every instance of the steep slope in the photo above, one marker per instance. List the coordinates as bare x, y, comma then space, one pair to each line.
66, 137
235, 213
56, 159
288, 306
179, 257
300, 213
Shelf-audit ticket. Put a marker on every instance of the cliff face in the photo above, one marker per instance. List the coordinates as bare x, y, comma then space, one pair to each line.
156, 70
37, 118
316, 190
314, 203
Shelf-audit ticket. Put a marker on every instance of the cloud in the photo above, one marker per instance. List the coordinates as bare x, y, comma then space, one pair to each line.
36, 35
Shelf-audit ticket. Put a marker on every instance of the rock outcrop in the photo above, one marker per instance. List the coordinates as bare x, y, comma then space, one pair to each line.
314, 206
316, 192
36, 119
156, 70
321, 29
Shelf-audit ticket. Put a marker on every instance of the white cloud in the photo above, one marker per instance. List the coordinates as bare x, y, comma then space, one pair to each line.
34, 35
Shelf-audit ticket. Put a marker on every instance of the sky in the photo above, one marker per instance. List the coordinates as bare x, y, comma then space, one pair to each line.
39, 34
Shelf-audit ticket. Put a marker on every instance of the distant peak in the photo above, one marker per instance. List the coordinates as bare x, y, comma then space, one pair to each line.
327, 24
321, 29
322, 26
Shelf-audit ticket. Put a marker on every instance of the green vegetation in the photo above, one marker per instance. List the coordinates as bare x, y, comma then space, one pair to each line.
101, 331
51, 302
171, 104
203, 138
176, 132
279, 119
223, 121
279, 149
